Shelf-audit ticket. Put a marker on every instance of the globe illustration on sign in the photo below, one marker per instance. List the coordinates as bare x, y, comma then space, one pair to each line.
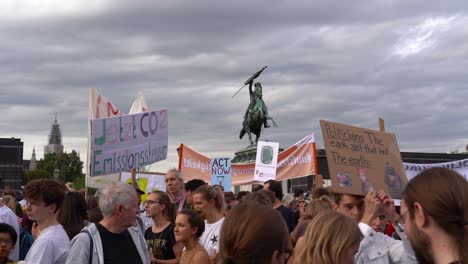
266, 155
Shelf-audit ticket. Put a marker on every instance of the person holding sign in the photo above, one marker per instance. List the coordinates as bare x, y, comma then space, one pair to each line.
376, 247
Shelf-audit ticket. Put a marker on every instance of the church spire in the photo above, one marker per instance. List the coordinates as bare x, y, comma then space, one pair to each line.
55, 139
32, 164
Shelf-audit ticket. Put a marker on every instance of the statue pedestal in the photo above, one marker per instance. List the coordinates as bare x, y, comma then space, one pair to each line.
248, 154
245, 155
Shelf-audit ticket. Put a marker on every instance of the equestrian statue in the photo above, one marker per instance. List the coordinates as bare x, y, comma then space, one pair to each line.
256, 114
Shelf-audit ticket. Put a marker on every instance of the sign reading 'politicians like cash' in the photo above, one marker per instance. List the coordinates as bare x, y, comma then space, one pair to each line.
126, 142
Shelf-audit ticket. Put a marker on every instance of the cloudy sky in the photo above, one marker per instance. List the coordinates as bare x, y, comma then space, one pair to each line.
345, 61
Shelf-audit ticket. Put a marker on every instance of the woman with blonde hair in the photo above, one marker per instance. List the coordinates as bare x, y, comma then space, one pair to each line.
315, 207
209, 202
330, 238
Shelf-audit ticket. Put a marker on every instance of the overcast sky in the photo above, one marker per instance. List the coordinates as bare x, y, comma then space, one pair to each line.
344, 61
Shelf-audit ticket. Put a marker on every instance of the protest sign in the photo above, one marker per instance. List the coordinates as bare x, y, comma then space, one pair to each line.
266, 161
126, 142
362, 160
99, 107
221, 172
146, 181
299, 160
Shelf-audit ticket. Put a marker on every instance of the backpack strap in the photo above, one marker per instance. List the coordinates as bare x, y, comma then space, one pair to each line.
91, 245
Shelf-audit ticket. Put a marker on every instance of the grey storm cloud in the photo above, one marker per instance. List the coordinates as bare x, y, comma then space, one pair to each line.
349, 62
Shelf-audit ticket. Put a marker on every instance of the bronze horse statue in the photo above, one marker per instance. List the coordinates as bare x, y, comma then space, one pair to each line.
256, 115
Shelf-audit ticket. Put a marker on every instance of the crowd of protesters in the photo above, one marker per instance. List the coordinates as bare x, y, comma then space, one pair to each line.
194, 222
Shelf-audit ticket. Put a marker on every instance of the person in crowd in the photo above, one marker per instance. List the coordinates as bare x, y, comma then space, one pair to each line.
330, 238
175, 189
25, 243
376, 247
298, 194
289, 201
209, 202
189, 227
191, 186
242, 194
315, 207
141, 215
45, 197
263, 197
73, 215
8, 239
160, 237
300, 211
116, 238
231, 201
257, 187
275, 187
10, 202
93, 212
435, 214
70, 186
8, 190
254, 233
8, 216
321, 191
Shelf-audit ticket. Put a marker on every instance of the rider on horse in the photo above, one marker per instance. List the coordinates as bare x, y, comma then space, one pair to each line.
256, 104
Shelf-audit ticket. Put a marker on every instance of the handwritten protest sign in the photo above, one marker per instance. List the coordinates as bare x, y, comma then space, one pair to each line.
221, 172
126, 142
362, 160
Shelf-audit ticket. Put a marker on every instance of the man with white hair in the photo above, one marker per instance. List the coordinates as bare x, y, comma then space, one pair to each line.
115, 239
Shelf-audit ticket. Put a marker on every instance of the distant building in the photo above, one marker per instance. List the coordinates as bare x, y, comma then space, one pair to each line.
32, 163
11, 162
55, 139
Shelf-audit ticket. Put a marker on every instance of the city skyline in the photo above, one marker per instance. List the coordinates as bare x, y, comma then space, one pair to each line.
345, 62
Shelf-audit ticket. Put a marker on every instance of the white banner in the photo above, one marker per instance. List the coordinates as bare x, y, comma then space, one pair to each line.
266, 161
126, 142
413, 169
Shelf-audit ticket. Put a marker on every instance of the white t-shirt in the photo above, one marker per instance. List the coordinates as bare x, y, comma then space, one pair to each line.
7, 216
210, 237
51, 247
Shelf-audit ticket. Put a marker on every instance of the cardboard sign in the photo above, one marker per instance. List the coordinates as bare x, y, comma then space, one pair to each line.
362, 160
266, 161
221, 173
126, 142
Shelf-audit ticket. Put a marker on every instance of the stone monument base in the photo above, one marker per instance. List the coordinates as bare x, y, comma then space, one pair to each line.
245, 155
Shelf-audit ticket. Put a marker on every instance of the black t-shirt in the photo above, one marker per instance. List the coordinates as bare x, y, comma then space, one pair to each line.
288, 217
118, 248
162, 242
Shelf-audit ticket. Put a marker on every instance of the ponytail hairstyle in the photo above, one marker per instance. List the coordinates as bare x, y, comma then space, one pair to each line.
169, 211
212, 193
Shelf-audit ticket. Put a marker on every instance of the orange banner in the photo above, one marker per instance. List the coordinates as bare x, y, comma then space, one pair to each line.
299, 160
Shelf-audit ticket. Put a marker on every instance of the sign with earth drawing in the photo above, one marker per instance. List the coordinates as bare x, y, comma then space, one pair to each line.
266, 161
